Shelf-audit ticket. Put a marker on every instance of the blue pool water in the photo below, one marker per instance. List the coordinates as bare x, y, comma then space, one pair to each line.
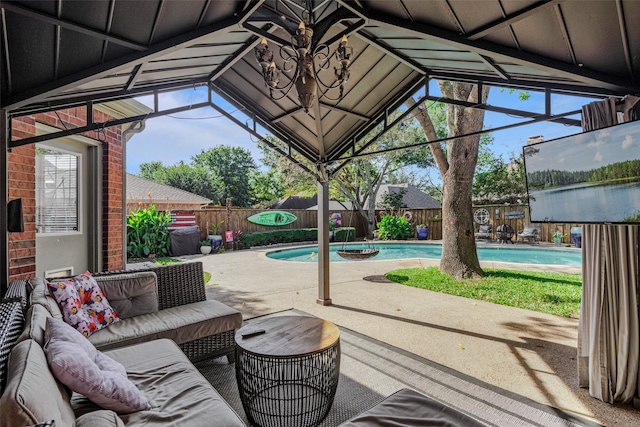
416, 250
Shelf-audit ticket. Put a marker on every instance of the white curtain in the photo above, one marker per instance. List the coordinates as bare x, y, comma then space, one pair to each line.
608, 335
608, 341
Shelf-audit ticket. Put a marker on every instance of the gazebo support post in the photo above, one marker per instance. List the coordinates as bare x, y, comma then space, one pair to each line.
323, 239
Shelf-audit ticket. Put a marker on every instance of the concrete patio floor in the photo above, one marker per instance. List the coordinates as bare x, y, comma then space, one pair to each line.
525, 352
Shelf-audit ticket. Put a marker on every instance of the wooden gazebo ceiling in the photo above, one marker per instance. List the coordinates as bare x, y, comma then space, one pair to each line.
58, 53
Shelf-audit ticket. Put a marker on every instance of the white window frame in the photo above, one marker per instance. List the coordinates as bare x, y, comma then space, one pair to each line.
79, 199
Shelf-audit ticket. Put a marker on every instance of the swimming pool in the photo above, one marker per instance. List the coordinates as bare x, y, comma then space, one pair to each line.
526, 255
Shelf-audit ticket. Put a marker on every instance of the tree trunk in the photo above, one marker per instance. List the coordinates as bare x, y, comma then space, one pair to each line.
459, 256
457, 167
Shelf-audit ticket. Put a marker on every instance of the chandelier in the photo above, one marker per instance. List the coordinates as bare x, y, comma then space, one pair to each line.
302, 64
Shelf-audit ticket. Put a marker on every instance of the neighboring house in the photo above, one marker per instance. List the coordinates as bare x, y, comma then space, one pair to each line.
73, 217
295, 202
335, 205
309, 203
413, 198
142, 192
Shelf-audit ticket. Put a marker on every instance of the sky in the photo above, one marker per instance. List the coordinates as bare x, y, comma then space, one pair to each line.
589, 150
178, 137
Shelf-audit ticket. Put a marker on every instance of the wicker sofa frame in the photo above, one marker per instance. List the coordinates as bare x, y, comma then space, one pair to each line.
178, 284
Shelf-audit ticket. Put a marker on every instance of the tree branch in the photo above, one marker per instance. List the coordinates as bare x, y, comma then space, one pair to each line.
421, 114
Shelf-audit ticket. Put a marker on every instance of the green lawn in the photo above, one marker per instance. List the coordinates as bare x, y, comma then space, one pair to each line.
553, 293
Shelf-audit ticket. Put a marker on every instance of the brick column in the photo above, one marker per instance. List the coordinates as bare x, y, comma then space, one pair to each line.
22, 184
112, 195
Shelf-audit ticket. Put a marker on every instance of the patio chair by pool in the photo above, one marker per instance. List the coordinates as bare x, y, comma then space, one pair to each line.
530, 233
484, 232
504, 233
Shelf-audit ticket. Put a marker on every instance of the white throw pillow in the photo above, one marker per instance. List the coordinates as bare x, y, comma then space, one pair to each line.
76, 363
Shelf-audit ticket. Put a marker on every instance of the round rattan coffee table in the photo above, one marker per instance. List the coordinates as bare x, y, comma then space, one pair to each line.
287, 376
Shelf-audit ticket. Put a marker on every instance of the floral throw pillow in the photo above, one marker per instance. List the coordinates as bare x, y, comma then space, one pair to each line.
83, 304
93, 301
68, 299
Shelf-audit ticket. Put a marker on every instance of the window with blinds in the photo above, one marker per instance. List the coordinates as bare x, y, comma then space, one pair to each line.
56, 191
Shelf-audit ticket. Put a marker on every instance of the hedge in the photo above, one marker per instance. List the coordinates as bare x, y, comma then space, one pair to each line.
264, 238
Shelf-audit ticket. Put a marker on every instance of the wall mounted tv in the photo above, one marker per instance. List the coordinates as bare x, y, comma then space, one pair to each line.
591, 177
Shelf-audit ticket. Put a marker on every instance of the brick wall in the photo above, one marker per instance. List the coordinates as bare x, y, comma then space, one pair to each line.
21, 168
112, 195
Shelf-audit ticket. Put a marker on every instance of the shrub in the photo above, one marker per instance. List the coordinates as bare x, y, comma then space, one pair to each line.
345, 234
394, 228
147, 233
264, 238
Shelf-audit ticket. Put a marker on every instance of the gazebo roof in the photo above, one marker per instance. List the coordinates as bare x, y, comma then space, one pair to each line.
58, 53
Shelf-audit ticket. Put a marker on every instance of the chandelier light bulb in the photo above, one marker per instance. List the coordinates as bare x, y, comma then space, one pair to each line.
344, 40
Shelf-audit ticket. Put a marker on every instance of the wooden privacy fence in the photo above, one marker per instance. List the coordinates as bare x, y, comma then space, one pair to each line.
517, 216
236, 219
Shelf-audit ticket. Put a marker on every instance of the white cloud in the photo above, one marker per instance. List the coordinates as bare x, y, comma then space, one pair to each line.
598, 157
600, 142
628, 142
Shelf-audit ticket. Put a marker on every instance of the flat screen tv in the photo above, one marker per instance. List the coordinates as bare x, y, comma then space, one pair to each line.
591, 177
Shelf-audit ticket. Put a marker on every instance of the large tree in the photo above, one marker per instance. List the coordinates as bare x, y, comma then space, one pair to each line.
194, 179
266, 188
500, 182
234, 166
456, 160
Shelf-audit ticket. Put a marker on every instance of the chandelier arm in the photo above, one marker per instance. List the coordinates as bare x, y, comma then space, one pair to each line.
284, 90
323, 55
324, 94
333, 85
290, 60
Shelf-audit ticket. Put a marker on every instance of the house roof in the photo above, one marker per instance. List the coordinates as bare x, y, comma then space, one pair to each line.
309, 203
335, 205
138, 189
413, 198
295, 202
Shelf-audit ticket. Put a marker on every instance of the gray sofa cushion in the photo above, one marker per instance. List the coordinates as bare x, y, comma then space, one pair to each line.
101, 418
131, 294
181, 324
178, 393
32, 394
411, 409
40, 295
35, 323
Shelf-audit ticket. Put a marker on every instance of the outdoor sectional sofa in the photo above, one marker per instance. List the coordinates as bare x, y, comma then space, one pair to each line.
163, 311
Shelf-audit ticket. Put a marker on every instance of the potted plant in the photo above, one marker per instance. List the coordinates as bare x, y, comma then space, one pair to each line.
214, 237
205, 247
557, 237
422, 231
332, 228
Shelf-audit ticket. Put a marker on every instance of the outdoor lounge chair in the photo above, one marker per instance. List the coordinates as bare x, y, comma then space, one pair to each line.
530, 233
484, 232
504, 233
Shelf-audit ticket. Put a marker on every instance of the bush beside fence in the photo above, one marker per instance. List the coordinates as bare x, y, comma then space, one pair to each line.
265, 238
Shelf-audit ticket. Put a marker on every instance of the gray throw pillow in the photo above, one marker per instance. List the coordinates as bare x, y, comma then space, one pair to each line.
76, 363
